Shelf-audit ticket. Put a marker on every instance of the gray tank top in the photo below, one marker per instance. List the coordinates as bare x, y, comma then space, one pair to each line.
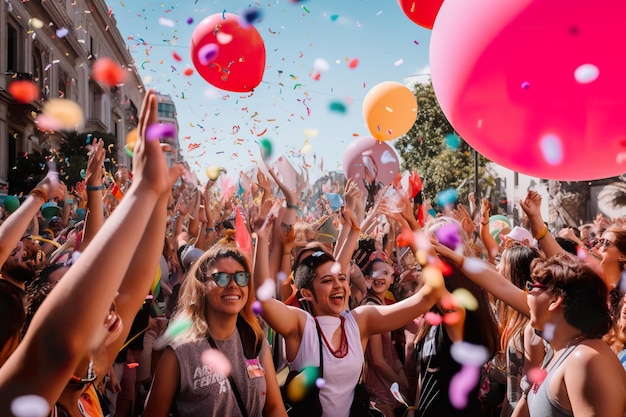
207, 393
540, 402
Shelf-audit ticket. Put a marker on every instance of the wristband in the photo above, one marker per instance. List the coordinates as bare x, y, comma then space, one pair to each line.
95, 187
210, 229
39, 192
484, 223
542, 233
292, 206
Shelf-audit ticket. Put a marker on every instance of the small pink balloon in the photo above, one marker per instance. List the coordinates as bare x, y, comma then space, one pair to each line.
433, 319
366, 155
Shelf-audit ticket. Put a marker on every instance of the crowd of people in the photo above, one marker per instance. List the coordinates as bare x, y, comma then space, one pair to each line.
151, 294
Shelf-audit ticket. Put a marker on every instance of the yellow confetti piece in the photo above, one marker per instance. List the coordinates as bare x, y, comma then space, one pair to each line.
432, 276
465, 298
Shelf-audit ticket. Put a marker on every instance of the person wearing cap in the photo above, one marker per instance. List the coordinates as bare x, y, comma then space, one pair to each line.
519, 235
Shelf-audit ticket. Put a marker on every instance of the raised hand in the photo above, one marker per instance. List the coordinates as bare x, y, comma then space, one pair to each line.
149, 167
532, 204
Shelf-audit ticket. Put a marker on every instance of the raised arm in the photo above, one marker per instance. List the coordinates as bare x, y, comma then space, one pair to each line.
93, 179
70, 321
15, 225
532, 207
485, 276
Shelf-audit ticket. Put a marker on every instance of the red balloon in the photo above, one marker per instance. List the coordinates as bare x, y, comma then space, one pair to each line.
537, 86
227, 55
367, 156
422, 12
24, 91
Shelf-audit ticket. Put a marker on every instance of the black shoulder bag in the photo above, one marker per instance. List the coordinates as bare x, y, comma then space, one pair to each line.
309, 405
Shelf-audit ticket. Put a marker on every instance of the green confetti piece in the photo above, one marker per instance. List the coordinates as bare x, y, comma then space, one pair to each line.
305, 9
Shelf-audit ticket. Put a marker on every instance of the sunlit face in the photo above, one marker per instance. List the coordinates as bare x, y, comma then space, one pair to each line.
230, 299
380, 281
538, 300
331, 289
607, 249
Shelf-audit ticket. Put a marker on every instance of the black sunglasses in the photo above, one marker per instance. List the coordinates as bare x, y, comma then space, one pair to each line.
223, 279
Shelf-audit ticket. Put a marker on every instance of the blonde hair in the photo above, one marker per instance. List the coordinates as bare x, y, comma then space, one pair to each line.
192, 300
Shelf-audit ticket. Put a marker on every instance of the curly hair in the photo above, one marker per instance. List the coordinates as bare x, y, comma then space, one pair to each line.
584, 293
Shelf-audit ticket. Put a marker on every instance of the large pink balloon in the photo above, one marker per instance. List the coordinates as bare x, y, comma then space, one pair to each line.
366, 154
535, 85
226, 54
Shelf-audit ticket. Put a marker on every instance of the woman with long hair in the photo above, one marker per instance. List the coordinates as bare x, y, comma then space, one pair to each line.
216, 298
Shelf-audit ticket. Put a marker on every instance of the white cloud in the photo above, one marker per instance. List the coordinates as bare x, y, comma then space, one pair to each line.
420, 75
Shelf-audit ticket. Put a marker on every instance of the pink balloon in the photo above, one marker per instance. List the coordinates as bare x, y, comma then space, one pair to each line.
366, 154
535, 85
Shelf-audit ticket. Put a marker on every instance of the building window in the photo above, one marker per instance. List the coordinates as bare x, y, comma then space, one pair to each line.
516, 179
12, 48
38, 68
167, 110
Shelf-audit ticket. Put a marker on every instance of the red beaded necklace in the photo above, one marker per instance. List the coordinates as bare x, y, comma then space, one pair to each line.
342, 351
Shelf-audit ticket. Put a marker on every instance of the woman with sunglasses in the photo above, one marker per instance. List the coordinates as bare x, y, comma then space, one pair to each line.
612, 249
216, 298
565, 301
345, 333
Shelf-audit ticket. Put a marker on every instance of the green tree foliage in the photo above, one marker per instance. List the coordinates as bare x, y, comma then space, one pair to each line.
424, 150
70, 159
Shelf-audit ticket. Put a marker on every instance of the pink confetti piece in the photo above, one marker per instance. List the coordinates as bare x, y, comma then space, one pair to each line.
160, 130
217, 362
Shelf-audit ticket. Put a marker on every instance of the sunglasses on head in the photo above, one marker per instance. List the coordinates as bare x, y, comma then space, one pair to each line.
223, 279
316, 259
530, 285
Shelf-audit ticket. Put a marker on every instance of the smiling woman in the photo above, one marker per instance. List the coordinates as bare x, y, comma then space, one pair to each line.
192, 377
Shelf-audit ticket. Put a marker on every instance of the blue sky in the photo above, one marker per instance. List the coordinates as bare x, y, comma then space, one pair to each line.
227, 126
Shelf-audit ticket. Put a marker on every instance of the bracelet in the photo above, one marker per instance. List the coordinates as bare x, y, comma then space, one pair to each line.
484, 223
39, 192
353, 227
210, 229
292, 206
542, 234
95, 187
460, 263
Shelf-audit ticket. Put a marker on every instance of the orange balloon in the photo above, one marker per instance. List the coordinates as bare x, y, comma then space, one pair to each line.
390, 110
131, 138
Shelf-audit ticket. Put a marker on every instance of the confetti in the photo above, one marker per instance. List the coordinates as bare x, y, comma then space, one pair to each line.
266, 148
217, 361
208, 53
62, 32
551, 149
267, 290
586, 73
30, 406
399, 62
353, 63
249, 16
453, 142
449, 235
337, 107
447, 197
166, 22
158, 131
